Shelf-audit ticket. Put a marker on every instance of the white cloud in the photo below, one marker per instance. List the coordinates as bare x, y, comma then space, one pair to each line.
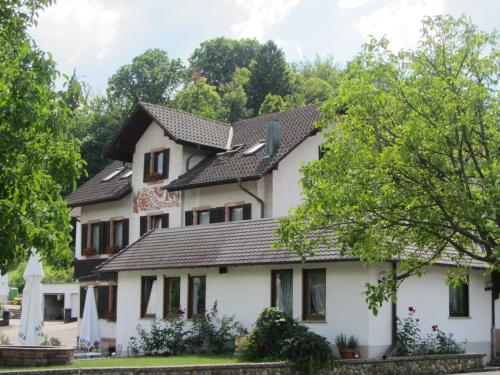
352, 4
78, 30
399, 20
259, 16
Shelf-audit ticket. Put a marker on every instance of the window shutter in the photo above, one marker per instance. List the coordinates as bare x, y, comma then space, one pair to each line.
125, 232
106, 236
247, 211
143, 225
102, 300
188, 218
220, 214
164, 221
83, 294
147, 165
213, 215
166, 162
114, 294
85, 230
101, 237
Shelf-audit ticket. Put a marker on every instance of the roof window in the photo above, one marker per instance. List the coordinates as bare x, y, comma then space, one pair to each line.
256, 147
112, 174
127, 174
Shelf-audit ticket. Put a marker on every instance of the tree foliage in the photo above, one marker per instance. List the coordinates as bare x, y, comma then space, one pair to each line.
411, 166
272, 103
40, 158
217, 59
199, 98
270, 73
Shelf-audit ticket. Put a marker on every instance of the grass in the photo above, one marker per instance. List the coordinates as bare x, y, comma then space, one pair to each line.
186, 360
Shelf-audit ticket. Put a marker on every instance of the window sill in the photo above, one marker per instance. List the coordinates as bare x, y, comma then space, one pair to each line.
154, 182
314, 321
459, 317
148, 317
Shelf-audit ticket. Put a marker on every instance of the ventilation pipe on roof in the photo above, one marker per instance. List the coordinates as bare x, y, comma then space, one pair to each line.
230, 138
273, 137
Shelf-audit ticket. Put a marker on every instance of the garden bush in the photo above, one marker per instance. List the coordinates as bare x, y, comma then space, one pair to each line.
276, 335
411, 342
208, 335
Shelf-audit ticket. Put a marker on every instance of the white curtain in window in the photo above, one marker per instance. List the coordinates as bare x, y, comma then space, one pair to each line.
151, 306
196, 291
284, 292
318, 292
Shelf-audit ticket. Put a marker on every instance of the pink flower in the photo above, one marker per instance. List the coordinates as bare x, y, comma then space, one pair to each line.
434, 328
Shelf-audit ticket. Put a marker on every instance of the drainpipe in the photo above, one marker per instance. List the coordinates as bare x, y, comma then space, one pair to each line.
394, 319
253, 196
493, 323
191, 156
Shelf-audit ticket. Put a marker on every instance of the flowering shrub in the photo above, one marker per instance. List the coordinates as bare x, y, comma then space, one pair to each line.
276, 335
165, 337
411, 342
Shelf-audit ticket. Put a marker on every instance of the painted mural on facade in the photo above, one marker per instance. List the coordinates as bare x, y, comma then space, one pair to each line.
151, 199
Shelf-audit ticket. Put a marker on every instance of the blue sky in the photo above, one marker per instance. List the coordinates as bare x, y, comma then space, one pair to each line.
98, 36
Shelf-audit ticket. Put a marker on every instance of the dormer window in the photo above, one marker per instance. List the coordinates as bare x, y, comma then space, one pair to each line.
156, 165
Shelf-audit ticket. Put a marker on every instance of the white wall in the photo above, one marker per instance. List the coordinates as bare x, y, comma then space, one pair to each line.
4, 288
245, 291
287, 191
430, 296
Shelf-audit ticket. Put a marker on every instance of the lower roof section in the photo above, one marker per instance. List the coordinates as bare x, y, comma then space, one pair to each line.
246, 242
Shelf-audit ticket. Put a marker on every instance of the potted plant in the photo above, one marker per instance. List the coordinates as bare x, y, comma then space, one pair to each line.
113, 249
347, 346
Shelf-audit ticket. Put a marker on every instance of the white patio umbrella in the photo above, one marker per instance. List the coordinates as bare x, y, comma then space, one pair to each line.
90, 332
31, 324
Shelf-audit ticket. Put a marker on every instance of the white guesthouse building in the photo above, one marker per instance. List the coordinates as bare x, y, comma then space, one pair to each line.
184, 217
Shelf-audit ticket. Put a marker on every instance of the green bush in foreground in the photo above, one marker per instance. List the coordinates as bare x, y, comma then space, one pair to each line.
276, 335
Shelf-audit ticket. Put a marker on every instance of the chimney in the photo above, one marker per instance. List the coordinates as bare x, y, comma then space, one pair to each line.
273, 137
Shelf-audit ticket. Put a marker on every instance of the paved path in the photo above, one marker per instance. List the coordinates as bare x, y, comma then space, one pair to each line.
67, 333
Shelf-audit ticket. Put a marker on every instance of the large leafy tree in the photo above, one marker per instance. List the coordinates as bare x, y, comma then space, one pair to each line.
217, 59
411, 169
39, 158
151, 77
200, 98
270, 74
234, 98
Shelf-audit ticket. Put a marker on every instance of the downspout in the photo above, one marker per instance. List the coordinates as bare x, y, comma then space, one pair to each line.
253, 196
493, 323
394, 319
191, 156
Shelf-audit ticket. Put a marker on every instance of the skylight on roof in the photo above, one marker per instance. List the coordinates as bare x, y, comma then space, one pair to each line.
256, 147
112, 174
127, 174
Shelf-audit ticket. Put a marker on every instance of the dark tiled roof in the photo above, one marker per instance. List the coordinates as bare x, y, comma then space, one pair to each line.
182, 127
296, 125
96, 191
233, 243
190, 128
246, 242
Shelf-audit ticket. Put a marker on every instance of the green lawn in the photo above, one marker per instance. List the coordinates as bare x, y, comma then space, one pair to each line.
145, 361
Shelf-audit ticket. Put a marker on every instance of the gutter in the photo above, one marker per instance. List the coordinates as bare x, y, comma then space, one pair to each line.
394, 319
253, 196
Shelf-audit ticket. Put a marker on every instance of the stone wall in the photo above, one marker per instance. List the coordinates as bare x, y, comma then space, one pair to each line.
24, 356
422, 365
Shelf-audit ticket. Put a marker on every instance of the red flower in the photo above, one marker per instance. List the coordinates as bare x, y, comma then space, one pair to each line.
411, 309
434, 328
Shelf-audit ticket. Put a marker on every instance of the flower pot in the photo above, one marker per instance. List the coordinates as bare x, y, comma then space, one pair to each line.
347, 353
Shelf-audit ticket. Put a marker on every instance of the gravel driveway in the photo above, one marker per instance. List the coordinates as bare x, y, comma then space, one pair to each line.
67, 333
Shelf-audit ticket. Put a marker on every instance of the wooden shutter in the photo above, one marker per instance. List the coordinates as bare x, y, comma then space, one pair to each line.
188, 218
101, 237
143, 225
102, 300
83, 294
166, 162
106, 237
247, 211
125, 232
217, 215
85, 231
147, 166
164, 221
114, 301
